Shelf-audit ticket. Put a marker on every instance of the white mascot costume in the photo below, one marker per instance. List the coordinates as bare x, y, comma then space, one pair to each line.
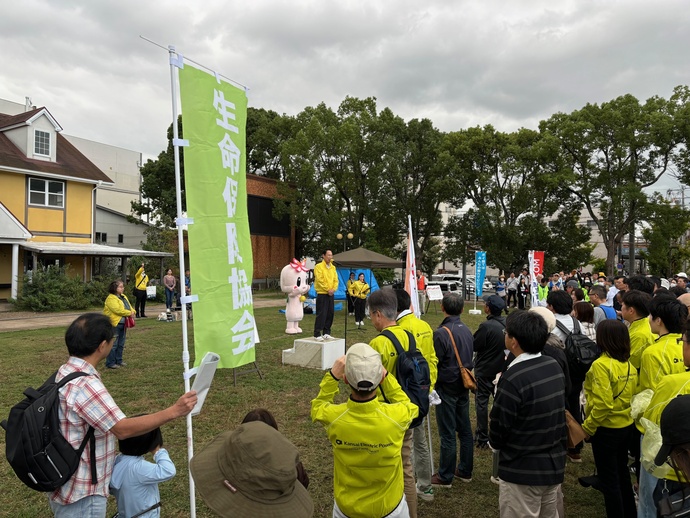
293, 281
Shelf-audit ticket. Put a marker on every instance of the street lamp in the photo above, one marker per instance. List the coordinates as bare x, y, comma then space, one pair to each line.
349, 236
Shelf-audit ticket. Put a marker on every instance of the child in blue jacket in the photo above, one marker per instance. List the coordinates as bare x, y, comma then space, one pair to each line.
135, 480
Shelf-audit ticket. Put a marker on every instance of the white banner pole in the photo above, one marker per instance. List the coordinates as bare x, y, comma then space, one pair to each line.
176, 61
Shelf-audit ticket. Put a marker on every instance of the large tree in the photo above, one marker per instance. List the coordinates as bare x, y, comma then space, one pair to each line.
515, 203
610, 153
665, 227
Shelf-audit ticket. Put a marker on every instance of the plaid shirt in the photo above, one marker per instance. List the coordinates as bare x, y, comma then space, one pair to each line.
85, 402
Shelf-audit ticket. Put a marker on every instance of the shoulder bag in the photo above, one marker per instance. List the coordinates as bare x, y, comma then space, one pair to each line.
468, 379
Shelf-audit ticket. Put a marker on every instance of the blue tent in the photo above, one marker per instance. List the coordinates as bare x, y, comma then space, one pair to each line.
344, 276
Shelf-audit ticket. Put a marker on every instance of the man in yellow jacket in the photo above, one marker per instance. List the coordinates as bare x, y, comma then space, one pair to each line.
383, 311
325, 284
424, 338
635, 310
366, 436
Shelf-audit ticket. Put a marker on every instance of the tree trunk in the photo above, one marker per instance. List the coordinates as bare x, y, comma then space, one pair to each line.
631, 248
610, 257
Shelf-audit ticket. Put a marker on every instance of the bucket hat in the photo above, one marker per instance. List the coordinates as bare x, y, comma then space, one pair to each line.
251, 471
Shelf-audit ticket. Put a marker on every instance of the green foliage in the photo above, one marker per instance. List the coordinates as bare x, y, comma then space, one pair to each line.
57, 289
598, 265
158, 184
665, 250
610, 153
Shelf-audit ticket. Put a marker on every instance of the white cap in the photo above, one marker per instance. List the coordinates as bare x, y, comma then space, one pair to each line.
363, 367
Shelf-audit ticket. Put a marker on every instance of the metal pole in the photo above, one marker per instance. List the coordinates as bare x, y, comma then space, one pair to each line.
180, 247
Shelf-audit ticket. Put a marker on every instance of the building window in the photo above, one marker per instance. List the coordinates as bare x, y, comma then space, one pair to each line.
104, 237
120, 238
98, 237
42, 143
47, 193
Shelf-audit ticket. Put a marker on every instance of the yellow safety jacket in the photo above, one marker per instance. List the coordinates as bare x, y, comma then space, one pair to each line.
609, 387
424, 338
640, 338
325, 278
141, 280
367, 440
359, 290
667, 389
664, 356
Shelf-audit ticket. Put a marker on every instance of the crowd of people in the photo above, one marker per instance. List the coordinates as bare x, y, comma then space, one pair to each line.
632, 402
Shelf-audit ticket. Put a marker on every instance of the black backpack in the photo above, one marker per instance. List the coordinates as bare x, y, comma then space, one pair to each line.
35, 448
412, 373
580, 350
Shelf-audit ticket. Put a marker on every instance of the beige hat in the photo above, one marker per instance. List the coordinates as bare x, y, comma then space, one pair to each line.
547, 315
251, 471
363, 367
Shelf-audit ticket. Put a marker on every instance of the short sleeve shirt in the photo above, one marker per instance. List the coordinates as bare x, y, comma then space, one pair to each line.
86, 402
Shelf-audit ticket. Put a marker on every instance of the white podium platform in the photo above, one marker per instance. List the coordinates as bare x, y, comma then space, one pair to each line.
313, 354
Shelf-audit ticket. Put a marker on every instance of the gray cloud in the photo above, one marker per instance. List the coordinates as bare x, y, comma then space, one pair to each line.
458, 63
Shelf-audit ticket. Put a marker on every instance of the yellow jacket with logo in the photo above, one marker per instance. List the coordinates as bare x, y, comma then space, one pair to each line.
367, 442
667, 389
115, 308
607, 379
424, 338
664, 356
141, 280
640, 338
325, 278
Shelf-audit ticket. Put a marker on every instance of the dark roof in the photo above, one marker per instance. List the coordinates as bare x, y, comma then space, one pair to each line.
69, 162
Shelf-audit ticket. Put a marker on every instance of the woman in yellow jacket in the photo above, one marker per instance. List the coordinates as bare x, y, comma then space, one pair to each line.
609, 386
141, 281
359, 290
117, 307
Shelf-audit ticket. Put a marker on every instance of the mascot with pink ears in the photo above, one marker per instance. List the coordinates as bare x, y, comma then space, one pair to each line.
293, 281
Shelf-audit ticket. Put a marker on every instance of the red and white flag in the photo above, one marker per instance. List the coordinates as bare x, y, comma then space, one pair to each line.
536, 268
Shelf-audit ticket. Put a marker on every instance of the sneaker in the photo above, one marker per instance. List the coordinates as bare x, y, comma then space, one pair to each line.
427, 496
114, 366
361, 325
318, 338
123, 364
462, 478
575, 457
591, 481
327, 337
495, 480
437, 482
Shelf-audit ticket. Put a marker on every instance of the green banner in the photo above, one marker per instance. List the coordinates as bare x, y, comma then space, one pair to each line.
214, 117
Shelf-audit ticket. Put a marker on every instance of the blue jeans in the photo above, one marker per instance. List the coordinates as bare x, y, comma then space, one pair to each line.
169, 294
115, 356
453, 416
89, 507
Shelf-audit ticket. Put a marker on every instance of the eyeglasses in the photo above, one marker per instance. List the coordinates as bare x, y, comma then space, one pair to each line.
505, 333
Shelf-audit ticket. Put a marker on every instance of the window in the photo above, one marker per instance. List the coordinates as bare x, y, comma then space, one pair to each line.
98, 237
104, 237
47, 193
42, 143
120, 238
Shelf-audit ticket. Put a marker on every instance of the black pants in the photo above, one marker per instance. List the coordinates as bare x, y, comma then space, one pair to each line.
511, 295
485, 389
360, 305
610, 449
351, 301
572, 403
140, 302
324, 314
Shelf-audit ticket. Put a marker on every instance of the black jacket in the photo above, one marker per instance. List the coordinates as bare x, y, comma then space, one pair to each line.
448, 369
489, 347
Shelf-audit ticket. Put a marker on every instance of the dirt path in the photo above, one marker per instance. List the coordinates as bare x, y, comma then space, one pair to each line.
25, 320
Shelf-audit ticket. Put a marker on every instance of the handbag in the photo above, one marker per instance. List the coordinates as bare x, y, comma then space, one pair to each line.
676, 505
129, 322
576, 434
468, 379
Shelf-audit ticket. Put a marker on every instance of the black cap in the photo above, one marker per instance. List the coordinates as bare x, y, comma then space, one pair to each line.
494, 302
675, 426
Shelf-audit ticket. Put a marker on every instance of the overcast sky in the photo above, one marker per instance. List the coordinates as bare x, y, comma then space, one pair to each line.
460, 64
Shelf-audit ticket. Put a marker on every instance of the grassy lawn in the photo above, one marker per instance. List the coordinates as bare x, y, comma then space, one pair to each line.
153, 379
